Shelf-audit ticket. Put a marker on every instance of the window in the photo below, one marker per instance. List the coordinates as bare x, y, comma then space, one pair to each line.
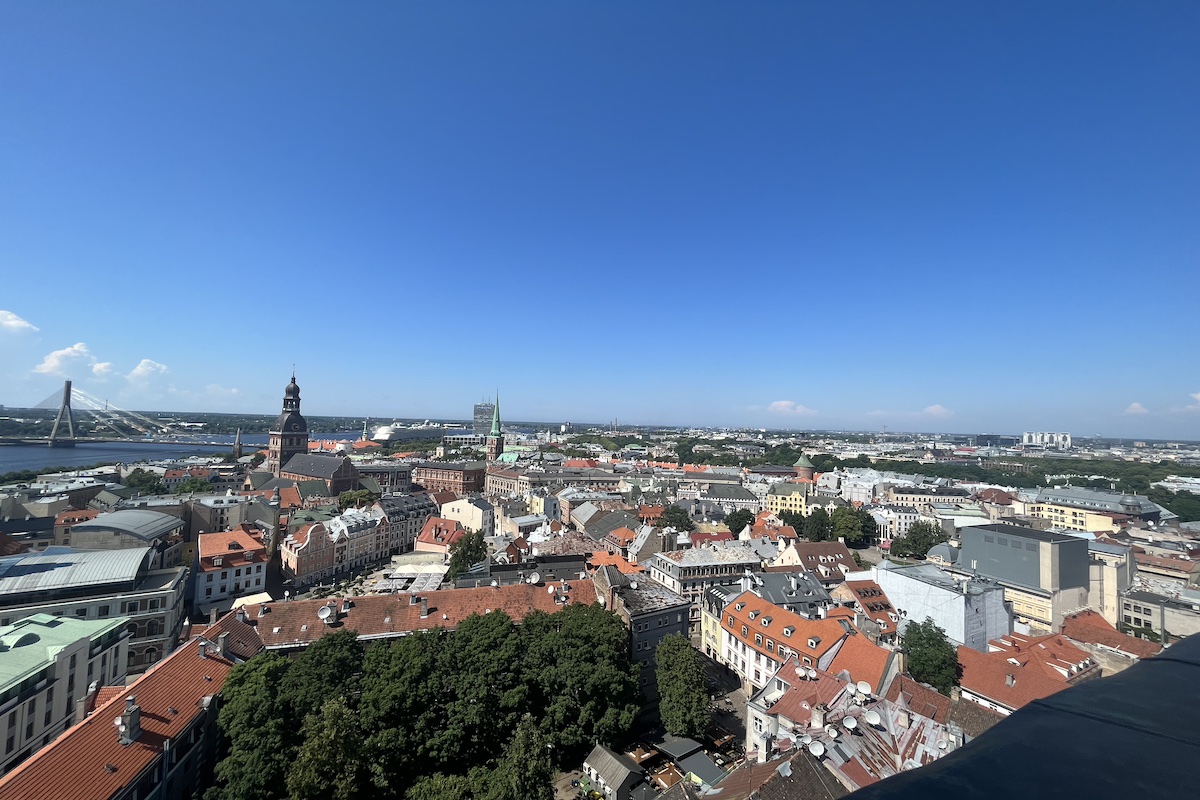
209, 577
102, 611
758, 639
770, 646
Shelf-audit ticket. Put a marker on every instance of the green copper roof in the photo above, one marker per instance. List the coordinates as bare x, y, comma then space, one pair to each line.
29, 645
803, 462
496, 417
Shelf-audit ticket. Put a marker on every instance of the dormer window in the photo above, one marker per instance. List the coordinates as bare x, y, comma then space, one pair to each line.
739, 606
766, 621
217, 561
813, 641
789, 630
753, 615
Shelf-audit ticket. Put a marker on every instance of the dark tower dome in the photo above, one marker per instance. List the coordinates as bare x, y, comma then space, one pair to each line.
292, 390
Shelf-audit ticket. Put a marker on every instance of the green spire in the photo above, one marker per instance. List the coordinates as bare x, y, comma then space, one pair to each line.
496, 416
803, 462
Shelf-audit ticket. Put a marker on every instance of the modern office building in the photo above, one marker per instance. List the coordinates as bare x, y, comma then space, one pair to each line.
481, 419
972, 612
1045, 575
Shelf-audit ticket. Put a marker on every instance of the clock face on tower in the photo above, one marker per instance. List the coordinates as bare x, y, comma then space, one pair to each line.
295, 426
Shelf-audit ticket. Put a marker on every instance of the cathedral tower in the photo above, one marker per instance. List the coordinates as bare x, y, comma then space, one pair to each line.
289, 434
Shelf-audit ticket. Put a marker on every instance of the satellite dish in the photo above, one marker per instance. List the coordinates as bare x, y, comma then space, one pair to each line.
872, 717
535, 578
941, 744
633, 584
831, 731
817, 749
806, 739
549, 590
495, 583
863, 687
850, 722
811, 673
324, 613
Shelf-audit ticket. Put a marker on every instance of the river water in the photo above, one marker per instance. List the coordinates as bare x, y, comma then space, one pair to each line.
19, 457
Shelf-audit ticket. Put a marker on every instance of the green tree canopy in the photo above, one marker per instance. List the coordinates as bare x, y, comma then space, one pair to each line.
739, 519
932, 658
466, 553
682, 687
329, 764
356, 498
818, 527
675, 517
921, 536
196, 485
145, 482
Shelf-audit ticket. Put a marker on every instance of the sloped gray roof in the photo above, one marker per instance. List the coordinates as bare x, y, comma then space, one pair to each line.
314, 465
613, 767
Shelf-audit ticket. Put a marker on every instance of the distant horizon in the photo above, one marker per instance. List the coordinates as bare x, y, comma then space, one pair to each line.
631, 425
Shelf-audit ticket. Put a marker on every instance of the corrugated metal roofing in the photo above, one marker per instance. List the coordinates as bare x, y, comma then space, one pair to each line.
60, 568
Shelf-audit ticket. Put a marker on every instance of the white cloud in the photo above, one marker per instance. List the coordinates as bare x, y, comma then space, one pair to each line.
1137, 408
790, 407
11, 322
56, 362
146, 369
102, 369
937, 410
1196, 405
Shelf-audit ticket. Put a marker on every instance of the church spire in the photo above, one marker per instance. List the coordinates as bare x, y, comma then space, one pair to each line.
496, 416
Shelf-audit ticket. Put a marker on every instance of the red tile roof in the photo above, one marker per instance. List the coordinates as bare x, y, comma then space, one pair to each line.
754, 611
1052, 655
990, 675
864, 660
874, 604
1090, 627
698, 538
919, 698
441, 532
71, 517
230, 547
802, 694
296, 624
75, 766
603, 558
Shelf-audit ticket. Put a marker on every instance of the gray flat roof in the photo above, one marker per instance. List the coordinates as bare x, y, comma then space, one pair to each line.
63, 568
1028, 533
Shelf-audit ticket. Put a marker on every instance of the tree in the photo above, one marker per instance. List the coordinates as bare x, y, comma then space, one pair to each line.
468, 551
258, 729
356, 499
329, 667
932, 658
817, 526
916, 542
257, 459
682, 682
739, 519
675, 517
329, 764
847, 526
194, 485
794, 519
144, 482
525, 771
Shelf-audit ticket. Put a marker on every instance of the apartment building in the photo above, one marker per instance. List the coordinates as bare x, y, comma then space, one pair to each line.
690, 572
47, 664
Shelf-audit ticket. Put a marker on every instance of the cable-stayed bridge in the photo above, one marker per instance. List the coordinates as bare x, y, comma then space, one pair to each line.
110, 423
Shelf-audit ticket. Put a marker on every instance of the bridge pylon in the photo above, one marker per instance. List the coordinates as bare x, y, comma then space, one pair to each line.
64, 412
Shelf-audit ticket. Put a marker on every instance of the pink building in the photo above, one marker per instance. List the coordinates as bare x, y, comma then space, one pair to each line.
307, 554
438, 534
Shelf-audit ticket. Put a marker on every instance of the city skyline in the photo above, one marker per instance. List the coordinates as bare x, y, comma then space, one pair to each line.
931, 218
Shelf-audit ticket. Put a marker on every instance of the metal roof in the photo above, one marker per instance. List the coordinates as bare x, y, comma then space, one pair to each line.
61, 568
139, 523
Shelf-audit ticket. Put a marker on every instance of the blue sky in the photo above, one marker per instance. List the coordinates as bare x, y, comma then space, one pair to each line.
929, 216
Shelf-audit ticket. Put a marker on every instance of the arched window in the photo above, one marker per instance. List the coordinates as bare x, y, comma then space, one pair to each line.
133, 630
150, 655
153, 628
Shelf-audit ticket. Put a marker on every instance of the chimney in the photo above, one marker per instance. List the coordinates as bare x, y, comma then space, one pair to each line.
241, 614
262, 610
818, 715
1010, 679
203, 649
212, 616
223, 644
129, 724
424, 607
